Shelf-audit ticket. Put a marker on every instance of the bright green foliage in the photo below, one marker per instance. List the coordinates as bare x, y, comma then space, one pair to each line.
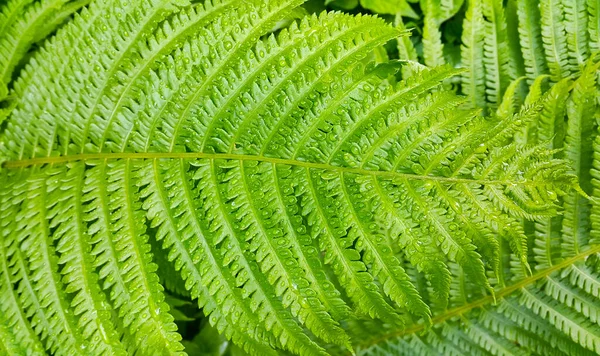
555, 311
309, 201
549, 37
530, 36
24, 22
473, 80
433, 51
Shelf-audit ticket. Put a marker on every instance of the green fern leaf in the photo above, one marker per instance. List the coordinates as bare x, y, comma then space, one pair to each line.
576, 18
474, 80
594, 25
530, 36
579, 138
554, 310
433, 49
554, 39
499, 62
300, 191
24, 22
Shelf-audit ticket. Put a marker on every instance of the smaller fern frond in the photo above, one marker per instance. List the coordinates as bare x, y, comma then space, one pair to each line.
406, 49
530, 36
579, 138
554, 39
433, 48
576, 26
499, 61
473, 81
594, 25
24, 22
580, 330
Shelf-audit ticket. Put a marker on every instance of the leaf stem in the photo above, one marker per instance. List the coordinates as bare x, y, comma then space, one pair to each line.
241, 157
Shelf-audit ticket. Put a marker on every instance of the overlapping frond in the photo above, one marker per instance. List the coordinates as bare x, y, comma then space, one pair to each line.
554, 311
24, 22
554, 315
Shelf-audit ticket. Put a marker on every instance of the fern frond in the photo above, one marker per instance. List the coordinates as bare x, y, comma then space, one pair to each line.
530, 36
44, 293
555, 39
576, 26
473, 81
18, 334
433, 48
594, 25
584, 277
574, 298
295, 186
406, 49
141, 303
554, 310
527, 337
579, 138
499, 62
550, 128
543, 333
581, 330
24, 22
223, 286
511, 102
545, 318
65, 213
